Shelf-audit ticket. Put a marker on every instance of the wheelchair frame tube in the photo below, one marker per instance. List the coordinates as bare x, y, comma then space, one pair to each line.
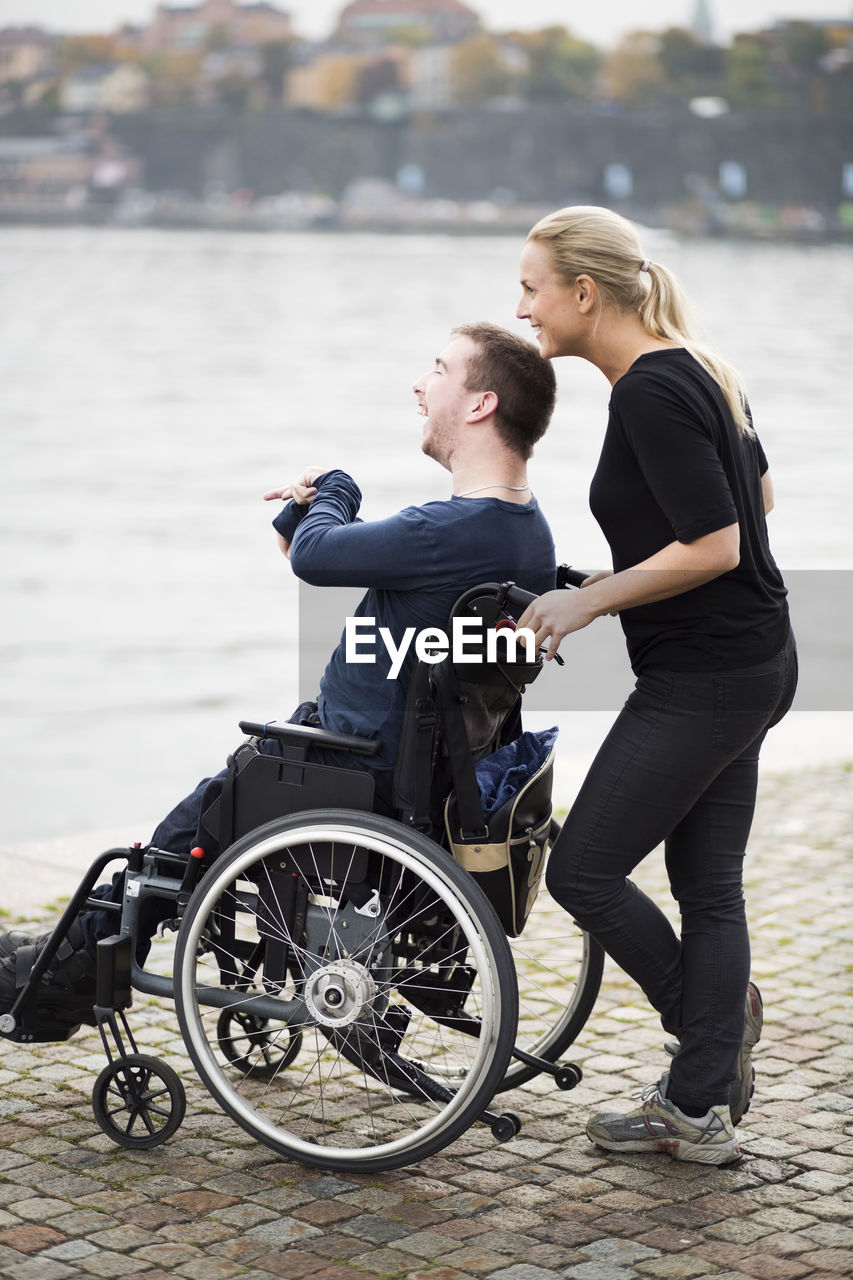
64, 923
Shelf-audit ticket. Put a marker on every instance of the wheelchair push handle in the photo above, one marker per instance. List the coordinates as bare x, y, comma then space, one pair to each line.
514, 600
569, 577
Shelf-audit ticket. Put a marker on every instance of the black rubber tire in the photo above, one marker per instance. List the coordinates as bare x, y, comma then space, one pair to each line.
331, 1108
125, 1088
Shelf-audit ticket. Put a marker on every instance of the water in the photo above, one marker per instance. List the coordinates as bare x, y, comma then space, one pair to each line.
154, 384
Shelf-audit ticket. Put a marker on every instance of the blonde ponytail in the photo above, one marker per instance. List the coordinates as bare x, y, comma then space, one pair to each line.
587, 240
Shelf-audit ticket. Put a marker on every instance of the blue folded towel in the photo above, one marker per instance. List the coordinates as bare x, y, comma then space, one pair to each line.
502, 775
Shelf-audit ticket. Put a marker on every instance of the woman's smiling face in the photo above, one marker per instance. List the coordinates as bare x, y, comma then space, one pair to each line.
547, 302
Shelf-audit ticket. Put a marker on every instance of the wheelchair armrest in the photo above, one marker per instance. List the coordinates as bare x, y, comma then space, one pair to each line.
305, 733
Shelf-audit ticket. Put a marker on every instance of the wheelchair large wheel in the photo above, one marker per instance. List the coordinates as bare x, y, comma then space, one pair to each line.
368, 941
559, 970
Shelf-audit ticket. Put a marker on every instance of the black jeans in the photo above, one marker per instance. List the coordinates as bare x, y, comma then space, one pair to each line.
680, 765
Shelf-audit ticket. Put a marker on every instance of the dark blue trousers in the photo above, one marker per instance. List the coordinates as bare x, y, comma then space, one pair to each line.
181, 829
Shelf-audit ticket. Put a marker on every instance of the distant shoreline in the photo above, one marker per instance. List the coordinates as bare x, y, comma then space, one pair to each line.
196, 219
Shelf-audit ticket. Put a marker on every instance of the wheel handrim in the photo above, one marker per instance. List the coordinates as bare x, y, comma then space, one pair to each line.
395, 1116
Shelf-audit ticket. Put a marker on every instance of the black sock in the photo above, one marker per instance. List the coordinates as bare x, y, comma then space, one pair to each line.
692, 1113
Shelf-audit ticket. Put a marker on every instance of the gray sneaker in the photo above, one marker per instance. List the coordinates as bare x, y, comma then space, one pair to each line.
744, 1086
658, 1125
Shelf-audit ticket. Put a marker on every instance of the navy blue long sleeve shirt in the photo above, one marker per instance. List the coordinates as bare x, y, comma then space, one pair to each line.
414, 565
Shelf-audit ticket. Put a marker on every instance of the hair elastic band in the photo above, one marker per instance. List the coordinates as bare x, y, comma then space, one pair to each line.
647, 262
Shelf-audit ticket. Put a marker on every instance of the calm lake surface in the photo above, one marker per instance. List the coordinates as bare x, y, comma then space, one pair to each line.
153, 384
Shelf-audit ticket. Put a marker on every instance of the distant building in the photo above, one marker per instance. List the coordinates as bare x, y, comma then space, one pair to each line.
117, 88
190, 27
376, 22
71, 170
25, 52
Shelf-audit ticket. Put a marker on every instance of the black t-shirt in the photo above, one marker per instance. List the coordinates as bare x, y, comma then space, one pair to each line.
674, 467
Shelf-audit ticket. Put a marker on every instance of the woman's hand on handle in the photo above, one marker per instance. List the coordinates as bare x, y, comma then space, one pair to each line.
554, 615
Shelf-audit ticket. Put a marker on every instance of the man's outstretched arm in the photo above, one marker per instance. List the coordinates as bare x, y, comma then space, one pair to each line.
330, 547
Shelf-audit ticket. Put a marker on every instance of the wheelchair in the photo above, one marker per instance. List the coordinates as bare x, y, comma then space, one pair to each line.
354, 990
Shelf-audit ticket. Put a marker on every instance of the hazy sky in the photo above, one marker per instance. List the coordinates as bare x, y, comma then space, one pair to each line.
602, 23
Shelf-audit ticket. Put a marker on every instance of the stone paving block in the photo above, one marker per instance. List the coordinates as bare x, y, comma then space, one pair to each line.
295, 1264
507, 1242
39, 1208
665, 1240
524, 1271
427, 1244
740, 1231
333, 1246
353, 1273
241, 1184
198, 1231
460, 1228
40, 1269
154, 1216
836, 1261
208, 1268
763, 1267
325, 1212
783, 1194
242, 1215
834, 1235
822, 1183
384, 1261
676, 1266
600, 1271
621, 1252
81, 1222
110, 1264
375, 1228
784, 1219
237, 1249
417, 1215
283, 1199
283, 1231
167, 1256
473, 1259
787, 1243
30, 1238
199, 1201
626, 1201
70, 1251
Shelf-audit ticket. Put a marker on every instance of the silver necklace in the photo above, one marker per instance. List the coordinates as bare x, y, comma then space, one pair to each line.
513, 488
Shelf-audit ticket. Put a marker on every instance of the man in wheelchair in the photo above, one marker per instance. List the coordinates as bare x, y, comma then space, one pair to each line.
486, 401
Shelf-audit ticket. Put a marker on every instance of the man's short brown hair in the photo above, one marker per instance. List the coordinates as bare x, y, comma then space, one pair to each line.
523, 382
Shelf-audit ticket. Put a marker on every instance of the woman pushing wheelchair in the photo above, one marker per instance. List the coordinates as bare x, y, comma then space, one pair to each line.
681, 491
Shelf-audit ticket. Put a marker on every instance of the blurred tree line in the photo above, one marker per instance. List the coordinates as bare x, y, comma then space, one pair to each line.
795, 64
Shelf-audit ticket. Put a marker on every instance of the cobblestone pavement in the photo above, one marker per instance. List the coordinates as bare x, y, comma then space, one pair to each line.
211, 1203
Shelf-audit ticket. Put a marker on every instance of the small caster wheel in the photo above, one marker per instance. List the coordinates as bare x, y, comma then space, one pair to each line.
253, 1046
568, 1077
139, 1101
506, 1126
